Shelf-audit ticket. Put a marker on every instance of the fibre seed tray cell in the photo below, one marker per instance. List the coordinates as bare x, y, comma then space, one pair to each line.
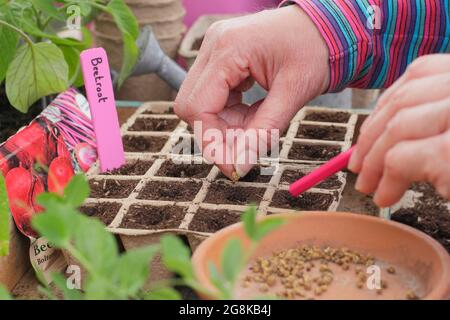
163, 189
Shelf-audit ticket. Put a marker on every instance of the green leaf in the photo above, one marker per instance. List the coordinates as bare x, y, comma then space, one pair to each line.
232, 260
54, 226
36, 71
61, 283
249, 220
267, 226
176, 256
77, 190
133, 269
4, 294
4, 219
163, 294
218, 281
9, 40
99, 288
49, 8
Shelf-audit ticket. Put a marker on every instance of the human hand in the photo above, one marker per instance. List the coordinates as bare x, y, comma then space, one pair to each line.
407, 138
281, 50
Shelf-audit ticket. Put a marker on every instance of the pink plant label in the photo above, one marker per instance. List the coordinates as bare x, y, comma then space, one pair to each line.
100, 94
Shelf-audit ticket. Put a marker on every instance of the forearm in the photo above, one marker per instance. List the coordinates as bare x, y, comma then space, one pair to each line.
372, 42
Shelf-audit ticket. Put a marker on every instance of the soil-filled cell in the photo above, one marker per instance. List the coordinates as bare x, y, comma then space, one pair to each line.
131, 168
290, 176
118, 189
222, 193
326, 116
332, 133
254, 175
143, 143
184, 170
170, 191
300, 151
162, 111
150, 124
186, 146
153, 218
210, 221
306, 201
105, 211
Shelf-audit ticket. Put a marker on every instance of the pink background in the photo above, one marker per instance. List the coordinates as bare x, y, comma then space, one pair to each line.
196, 8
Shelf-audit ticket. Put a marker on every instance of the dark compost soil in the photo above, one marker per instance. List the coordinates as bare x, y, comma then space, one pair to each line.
429, 215
322, 132
211, 221
170, 169
143, 143
135, 168
105, 211
313, 152
306, 201
118, 189
254, 175
290, 176
170, 191
149, 124
220, 192
336, 117
153, 218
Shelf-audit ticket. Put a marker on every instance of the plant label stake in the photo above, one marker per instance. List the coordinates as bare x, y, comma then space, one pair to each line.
99, 90
327, 170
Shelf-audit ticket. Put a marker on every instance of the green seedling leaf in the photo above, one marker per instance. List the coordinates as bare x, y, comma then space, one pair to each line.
72, 56
61, 283
95, 244
99, 288
232, 260
55, 226
176, 256
48, 7
218, 281
132, 270
165, 293
249, 220
4, 294
77, 190
267, 226
36, 71
4, 219
9, 40
47, 199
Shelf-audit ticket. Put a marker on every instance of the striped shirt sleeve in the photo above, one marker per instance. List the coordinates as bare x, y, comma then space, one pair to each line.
371, 42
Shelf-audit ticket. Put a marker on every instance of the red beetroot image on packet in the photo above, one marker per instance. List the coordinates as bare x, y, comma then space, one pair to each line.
44, 155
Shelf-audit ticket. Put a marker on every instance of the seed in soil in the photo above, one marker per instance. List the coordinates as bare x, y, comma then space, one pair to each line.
254, 175
300, 151
110, 188
104, 211
391, 270
186, 146
306, 201
220, 192
184, 170
153, 218
323, 116
210, 221
143, 143
321, 132
133, 168
290, 176
170, 191
150, 124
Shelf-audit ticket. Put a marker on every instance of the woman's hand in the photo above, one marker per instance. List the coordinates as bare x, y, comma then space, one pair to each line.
407, 138
281, 50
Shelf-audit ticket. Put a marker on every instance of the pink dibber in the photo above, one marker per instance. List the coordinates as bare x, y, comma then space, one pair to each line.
327, 170
100, 94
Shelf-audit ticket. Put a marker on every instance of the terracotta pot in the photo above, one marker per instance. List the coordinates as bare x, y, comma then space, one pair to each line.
410, 251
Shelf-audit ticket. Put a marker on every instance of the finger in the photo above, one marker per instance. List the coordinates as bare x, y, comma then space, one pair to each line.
425, 66
413, 93
408, 124
207, 100
414, 161
267, 121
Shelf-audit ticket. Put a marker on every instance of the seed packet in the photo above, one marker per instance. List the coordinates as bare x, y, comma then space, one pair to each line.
43, 156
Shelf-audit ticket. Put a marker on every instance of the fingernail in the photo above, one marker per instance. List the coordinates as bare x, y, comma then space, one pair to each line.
243, 169
353, 161
358, 184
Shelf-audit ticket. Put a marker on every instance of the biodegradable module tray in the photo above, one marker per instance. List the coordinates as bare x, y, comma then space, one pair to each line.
160, 190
